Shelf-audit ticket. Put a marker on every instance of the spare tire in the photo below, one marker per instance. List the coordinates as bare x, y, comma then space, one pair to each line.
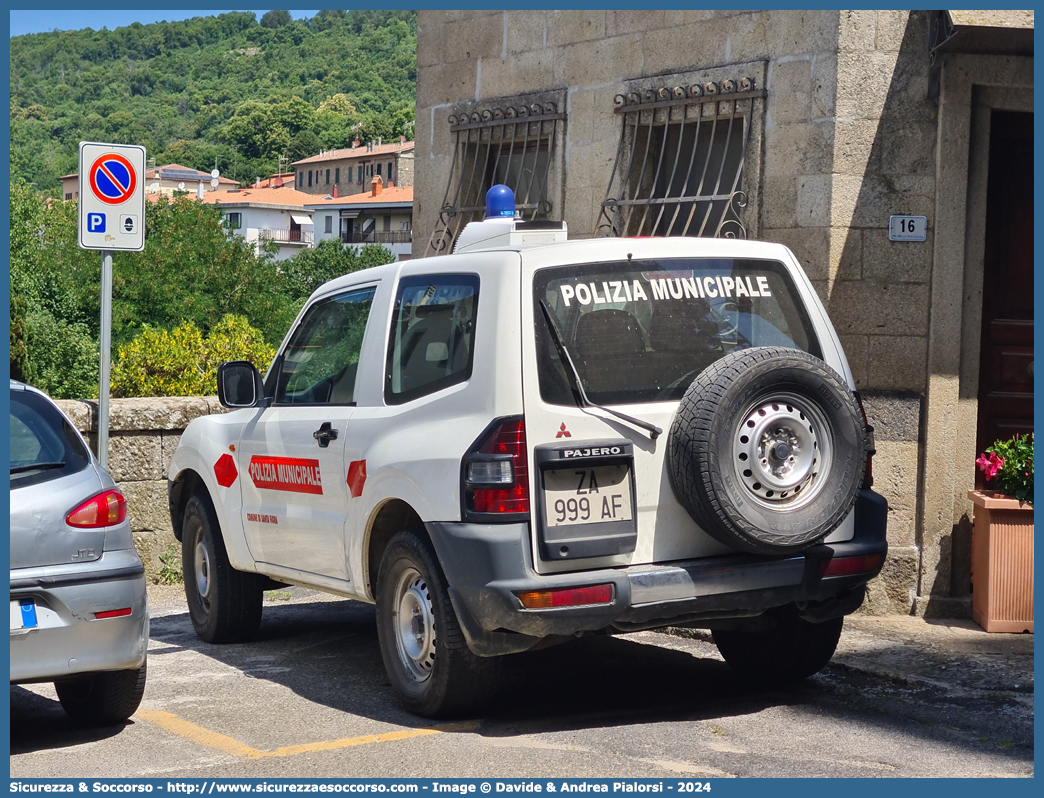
767, 450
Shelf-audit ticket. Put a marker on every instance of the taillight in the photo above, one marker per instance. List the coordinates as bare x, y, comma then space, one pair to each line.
113, 613
105, 509
843, 566
566, 597
871, 450
496, 475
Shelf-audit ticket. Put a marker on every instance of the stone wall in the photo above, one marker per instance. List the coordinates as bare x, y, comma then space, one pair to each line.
848, 139
143, 434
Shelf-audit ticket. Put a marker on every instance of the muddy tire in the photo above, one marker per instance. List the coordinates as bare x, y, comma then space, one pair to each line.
224, 604
429, 664
792, 650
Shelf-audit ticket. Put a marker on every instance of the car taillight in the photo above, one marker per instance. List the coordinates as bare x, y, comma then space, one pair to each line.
567, 597
871, 450
496, 475
105, 509
843, 566
113, 613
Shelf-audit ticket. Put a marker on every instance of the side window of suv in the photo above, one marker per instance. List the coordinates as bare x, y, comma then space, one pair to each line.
432, 340
320, 362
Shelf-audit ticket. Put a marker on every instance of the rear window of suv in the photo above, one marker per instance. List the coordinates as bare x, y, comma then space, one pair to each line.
640, 331
44, 445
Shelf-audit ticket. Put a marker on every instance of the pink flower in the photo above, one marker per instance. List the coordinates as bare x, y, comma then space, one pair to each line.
990, 465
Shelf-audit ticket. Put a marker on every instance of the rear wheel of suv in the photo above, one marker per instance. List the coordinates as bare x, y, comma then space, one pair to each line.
224, 604
791, 650
767, 450
101, 699
430, 666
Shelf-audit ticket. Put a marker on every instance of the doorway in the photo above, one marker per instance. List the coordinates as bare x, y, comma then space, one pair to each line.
1005, 406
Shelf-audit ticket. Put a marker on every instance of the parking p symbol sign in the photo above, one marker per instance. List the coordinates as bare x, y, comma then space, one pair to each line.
96, 222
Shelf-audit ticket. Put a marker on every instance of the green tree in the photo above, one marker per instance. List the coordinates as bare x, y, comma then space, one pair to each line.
62, 358
182, 361
19, 345
330, 258
304, 145
183, 81
275, 19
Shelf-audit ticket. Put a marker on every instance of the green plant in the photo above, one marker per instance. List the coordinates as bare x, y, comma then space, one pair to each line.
170, 572
182, 362
1010, 463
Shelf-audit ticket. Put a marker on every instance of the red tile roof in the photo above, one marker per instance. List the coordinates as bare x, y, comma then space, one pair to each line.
357, 152
404, 194
260, 196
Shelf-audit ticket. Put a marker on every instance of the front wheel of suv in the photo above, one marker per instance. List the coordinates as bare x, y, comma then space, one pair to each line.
790, 650
429, 664
224, 604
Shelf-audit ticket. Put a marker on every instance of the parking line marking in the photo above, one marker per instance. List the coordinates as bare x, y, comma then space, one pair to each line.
197, 734
211, 739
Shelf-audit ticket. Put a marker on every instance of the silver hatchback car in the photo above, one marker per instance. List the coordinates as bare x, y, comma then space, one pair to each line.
79, 616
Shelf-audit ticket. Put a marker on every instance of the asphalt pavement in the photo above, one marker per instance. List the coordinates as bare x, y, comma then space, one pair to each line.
902, 697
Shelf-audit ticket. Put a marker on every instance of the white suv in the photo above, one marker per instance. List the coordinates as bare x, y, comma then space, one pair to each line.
532, 439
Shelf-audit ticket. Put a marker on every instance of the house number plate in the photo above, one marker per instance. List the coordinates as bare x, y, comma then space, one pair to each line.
907, 228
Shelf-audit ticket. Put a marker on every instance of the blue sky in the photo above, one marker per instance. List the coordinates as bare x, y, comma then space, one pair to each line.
23, 22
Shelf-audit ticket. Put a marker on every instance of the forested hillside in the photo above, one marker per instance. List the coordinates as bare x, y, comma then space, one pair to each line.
230, 87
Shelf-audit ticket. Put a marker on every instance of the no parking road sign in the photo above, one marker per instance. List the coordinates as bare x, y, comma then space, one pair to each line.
112, 196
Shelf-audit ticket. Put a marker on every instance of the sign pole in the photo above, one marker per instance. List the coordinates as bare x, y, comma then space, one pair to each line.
105, 345
111, 218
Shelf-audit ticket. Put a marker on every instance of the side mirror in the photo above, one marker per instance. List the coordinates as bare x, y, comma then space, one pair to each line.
239, 384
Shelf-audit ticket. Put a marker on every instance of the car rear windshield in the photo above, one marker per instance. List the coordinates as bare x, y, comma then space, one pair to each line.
44, 445
640, 331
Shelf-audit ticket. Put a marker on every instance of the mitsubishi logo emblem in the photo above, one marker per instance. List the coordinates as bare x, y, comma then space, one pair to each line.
563, 432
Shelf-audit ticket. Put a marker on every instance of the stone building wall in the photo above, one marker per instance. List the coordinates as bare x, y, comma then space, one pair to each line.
848, 139
143, 434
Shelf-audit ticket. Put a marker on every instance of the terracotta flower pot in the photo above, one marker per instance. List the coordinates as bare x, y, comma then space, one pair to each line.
1002, 563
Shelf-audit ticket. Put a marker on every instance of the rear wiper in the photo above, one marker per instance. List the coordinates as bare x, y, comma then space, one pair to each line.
574, 376
35, 467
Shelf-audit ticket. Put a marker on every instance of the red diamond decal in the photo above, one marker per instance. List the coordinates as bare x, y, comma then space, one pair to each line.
225, 471
357, 478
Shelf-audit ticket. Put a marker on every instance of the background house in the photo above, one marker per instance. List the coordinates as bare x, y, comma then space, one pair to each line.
382, 216
160, 180
814, 128
351, 170
268, 214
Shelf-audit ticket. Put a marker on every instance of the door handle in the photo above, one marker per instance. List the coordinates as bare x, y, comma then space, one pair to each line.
324, 435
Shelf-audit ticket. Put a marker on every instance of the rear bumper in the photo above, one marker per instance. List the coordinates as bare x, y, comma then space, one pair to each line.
68, 638
487, 566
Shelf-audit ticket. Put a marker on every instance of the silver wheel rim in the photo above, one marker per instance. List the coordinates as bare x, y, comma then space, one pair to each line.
782, 451
201, 562
413, 620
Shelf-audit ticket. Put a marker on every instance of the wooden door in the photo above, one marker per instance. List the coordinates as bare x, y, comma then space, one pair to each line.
1006, 349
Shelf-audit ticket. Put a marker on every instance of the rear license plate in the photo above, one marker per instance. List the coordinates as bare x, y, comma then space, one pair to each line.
596, 495
23, 614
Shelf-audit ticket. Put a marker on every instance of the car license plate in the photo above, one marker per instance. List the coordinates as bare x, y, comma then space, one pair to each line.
596, 495
23, 614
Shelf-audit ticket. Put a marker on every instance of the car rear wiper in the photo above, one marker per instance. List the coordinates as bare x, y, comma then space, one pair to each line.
35, 467
574, 376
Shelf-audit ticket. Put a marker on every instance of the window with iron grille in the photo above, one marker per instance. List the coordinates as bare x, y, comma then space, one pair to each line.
681, 162
514, 141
